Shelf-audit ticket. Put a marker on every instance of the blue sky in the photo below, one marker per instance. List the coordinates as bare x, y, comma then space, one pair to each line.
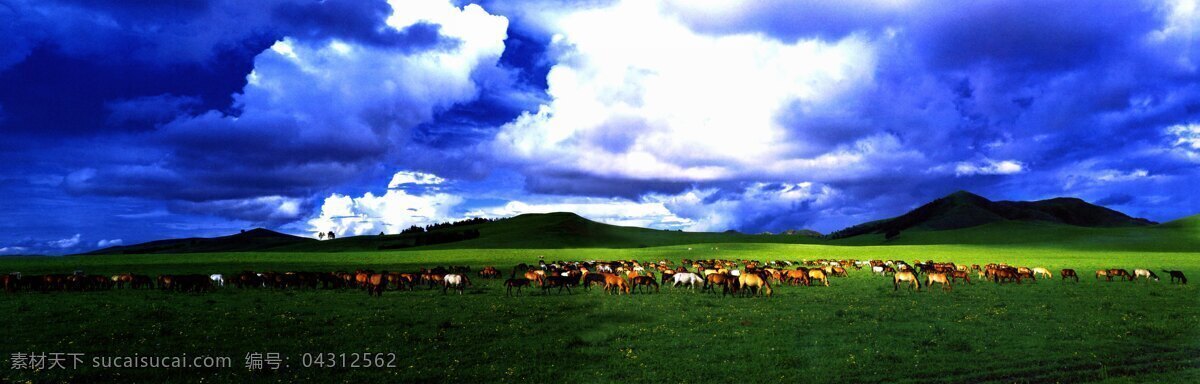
129, 121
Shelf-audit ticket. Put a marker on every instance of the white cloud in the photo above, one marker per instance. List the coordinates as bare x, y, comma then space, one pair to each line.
392, 212
109, 243
1186, 140
636, 94
1083, 174
417, 178
65, 243
13, 249
989, 167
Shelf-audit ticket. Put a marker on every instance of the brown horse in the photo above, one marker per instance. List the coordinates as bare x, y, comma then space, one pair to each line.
376, 283
614, 284
753, 284
727, 282
906, 277
939, 278
9, 282
796, 277
1068, 273
840, 272
489, 272
516, 282
1119, 273
643, 281
960, 275
1001, 275
119, 281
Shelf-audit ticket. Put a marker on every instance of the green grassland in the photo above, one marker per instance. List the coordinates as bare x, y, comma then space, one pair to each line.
857, 330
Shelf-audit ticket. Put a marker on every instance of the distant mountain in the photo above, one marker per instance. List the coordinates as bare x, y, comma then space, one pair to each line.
964, 210
801, 232
249, 241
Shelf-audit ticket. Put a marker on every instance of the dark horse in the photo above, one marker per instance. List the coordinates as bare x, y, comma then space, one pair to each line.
1177, 275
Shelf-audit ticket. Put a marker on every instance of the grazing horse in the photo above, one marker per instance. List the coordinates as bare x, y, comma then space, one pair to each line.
1148, 274
592, 278
727, 283
817, 274
687, 278
753, 284
218, 280
1039, 271
10, 282
120, 280
375, 284
558, 281
615, 284
939, 278
1176, 275
796, 277
457, 281
489, 272
516, 282
1102, 273
643, 281
1001, 275
1069, 273
963, 275
1119, 273
905, 276
141, 281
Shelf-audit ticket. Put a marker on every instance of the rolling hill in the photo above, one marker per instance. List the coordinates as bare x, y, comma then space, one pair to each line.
960, 218
249, 241
965, 210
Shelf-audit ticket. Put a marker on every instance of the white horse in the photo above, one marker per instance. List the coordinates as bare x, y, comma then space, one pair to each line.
1039, 271
457, 281
878, 269
1148, 274
217, 280
687, 278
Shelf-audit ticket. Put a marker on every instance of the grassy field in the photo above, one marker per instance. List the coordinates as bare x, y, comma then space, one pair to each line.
857, 330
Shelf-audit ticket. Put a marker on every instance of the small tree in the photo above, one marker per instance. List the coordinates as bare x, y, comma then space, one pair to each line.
320, 235
331, 236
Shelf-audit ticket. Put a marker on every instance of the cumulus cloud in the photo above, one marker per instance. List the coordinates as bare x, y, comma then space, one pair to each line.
319, 108
65, 243
108, 243
655, 100
391, 212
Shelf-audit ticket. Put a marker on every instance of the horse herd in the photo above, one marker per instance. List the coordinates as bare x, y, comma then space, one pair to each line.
732, 277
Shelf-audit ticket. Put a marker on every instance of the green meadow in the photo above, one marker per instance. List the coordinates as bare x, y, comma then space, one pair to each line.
857, 330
